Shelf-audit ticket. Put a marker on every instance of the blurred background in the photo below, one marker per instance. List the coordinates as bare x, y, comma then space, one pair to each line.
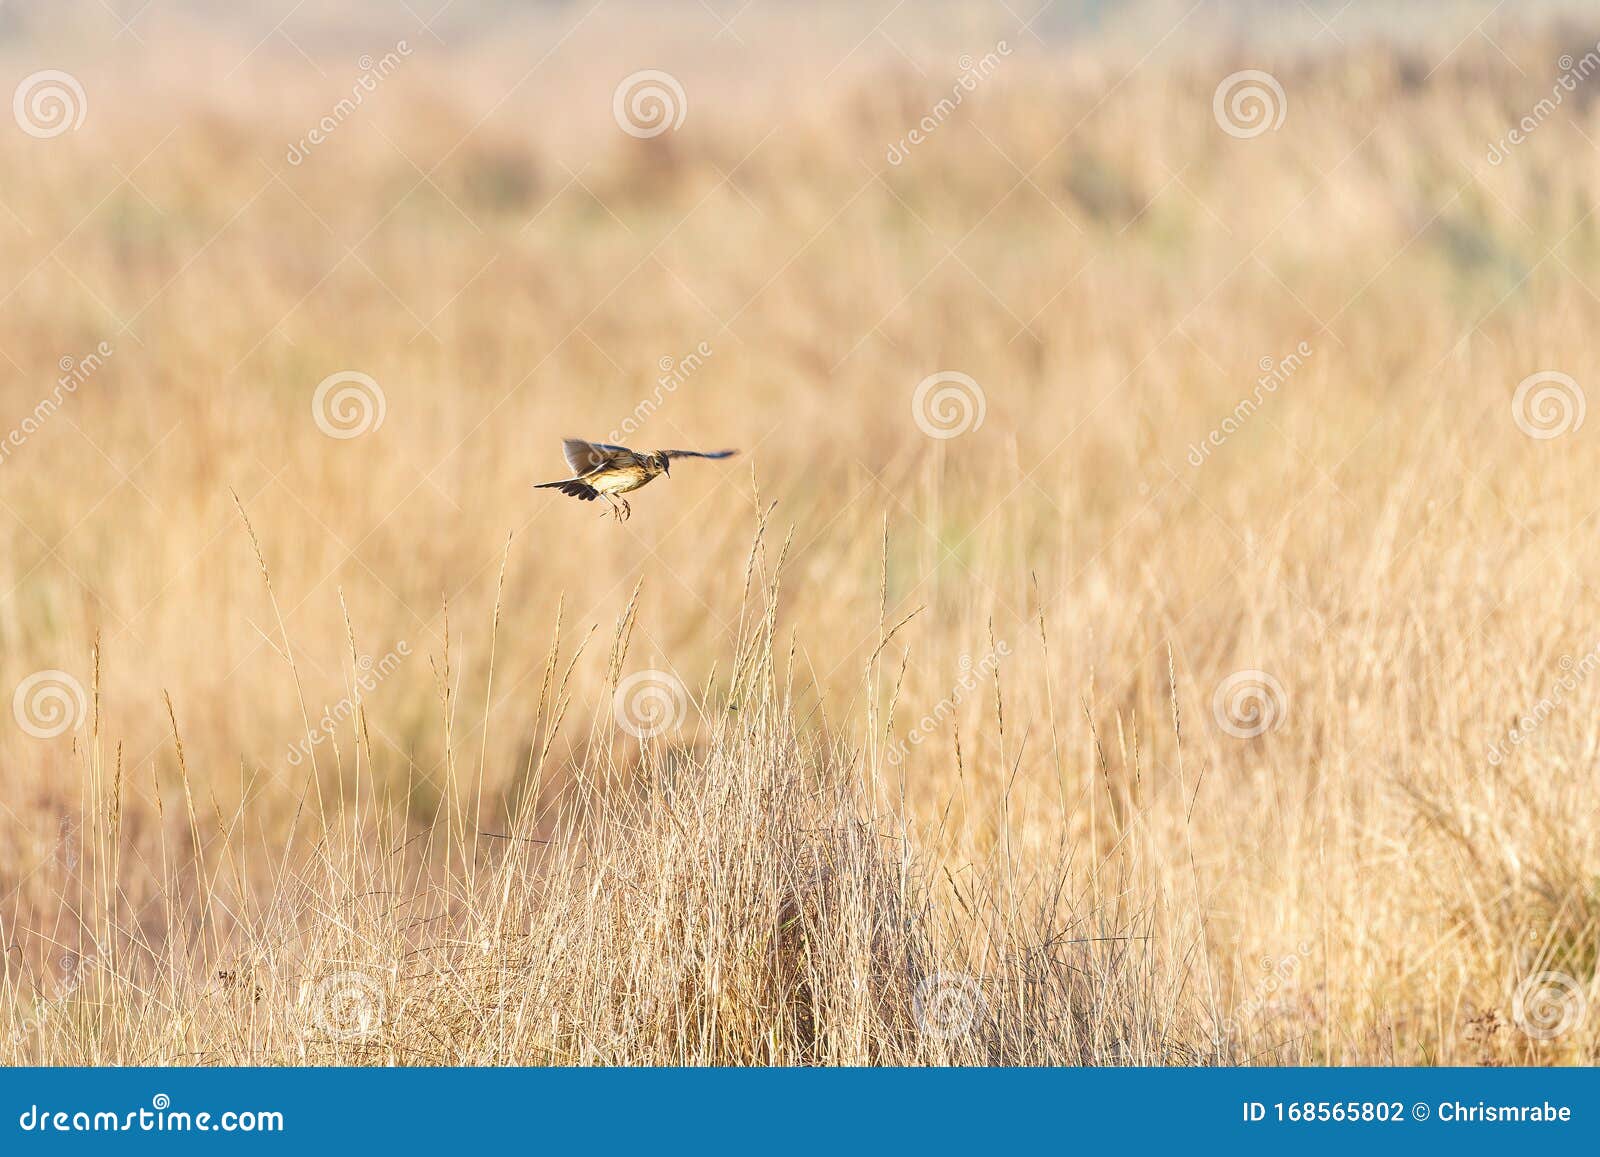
1156, 342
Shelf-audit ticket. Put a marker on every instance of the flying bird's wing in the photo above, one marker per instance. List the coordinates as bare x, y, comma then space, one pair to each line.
700, 453
586, 456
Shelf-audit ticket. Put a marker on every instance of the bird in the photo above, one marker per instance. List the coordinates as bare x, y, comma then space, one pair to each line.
601, 470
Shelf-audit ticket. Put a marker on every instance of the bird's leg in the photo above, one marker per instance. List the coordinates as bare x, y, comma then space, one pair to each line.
627, 511
612, 505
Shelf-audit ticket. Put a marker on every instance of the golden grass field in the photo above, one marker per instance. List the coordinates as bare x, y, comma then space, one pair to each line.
933, 765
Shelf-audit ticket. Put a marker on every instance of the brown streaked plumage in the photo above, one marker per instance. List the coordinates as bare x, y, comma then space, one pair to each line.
600, 470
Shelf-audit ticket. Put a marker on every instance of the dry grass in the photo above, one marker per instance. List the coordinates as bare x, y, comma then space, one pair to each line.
1075, 862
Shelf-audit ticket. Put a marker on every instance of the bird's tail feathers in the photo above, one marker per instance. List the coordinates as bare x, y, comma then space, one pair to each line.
579, 490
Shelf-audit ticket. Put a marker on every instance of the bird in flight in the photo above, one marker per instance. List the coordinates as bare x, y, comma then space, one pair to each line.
600, 470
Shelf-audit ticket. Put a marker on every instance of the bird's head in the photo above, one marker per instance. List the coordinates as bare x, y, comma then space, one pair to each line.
665, 461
